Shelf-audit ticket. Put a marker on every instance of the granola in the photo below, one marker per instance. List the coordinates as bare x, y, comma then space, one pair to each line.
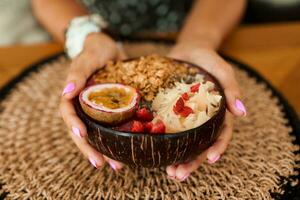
148, 74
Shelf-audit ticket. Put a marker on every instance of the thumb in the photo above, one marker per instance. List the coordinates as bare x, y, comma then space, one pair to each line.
219, 147
81, 69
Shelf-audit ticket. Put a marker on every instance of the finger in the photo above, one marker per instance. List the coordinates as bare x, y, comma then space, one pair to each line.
219, 147
223, 71
183, 171
115, 165
225, 74
78, 133
70, 117
171, 171
234, 104
95, 158
81, 68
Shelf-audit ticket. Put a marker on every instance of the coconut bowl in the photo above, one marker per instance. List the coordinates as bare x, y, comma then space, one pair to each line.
159, 150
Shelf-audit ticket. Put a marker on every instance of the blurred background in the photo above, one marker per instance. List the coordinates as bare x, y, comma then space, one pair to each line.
18, 24
268, 40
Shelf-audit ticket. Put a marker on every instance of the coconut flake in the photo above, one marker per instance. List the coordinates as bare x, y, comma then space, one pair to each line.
203, 103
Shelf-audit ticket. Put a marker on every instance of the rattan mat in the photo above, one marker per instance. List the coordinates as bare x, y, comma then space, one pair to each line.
38, 160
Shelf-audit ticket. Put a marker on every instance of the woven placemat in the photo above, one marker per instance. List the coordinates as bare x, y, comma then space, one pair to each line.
38, 160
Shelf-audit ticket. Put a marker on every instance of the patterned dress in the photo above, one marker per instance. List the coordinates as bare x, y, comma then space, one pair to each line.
128, 16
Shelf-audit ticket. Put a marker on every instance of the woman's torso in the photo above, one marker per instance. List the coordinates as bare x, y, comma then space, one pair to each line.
127, 16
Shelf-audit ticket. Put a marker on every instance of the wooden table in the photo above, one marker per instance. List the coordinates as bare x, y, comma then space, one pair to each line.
273, 50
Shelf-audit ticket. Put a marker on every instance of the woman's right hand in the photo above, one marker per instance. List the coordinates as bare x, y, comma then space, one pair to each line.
98, 49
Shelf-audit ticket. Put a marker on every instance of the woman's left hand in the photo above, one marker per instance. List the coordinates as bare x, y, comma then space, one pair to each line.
209, 60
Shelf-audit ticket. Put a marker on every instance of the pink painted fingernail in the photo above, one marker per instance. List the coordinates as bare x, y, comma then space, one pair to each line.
213, 159
239, 105
69, 88
93, 162
184, 177
113, 166
76, 131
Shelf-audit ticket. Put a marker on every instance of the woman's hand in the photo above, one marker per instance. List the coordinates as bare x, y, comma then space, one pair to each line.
98, 49
208, 59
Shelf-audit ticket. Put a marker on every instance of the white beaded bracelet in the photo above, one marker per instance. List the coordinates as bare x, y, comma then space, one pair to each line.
79, 29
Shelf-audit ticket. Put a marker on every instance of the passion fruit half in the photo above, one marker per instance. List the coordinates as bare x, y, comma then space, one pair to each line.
109, 103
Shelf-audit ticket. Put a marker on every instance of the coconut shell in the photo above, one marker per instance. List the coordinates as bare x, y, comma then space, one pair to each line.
146, 150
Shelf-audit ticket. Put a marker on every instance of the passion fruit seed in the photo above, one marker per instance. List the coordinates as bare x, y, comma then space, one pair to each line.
111, 97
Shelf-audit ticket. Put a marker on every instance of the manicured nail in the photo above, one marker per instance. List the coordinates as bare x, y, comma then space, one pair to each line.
76, 131
113, 166
184, 177
239, 105
213, 159
69, 88
93, 162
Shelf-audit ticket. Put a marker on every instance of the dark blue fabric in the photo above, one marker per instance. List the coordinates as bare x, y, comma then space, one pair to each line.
127, 16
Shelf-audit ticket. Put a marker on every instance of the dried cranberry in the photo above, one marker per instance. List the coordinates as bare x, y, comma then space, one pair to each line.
178, 106
195, 88
185, 96
186, 111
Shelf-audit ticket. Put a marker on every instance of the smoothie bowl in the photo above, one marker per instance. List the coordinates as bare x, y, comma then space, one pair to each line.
151, 111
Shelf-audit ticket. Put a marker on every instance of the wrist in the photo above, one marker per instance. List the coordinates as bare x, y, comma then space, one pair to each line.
79, 29
206, 40
188, 49
94, 37
99, 44
93, 41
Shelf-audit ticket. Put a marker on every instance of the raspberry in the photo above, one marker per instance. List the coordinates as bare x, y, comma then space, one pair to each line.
158, 127
137, 126
144, 114
148, 126
195, 88
125, 127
